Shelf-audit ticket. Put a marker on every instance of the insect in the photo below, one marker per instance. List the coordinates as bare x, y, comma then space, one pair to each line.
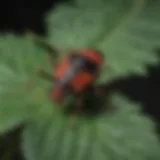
73, 75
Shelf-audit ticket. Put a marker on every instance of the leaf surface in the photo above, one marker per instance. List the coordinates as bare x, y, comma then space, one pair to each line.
18, 60
109, 136
126, 32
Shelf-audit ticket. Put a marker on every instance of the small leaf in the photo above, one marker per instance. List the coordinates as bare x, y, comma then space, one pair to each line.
18, 60
125, 34
115, 135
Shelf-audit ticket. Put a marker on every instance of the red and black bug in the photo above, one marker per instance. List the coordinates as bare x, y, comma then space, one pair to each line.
73, 75
76, 73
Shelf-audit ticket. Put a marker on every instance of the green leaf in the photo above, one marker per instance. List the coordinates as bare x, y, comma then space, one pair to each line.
18, 59
125, 31
123, 134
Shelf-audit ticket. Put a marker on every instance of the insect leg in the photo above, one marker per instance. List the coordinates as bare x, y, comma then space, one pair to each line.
79, 105
43, 74
40, 73
52, 52
99, 90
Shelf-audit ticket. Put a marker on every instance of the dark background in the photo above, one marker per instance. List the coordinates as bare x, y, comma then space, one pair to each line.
16, 15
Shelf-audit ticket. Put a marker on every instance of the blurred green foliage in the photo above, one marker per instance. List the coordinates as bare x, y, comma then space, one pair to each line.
126, 32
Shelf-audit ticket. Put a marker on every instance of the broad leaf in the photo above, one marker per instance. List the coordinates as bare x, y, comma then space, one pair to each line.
124, 31
18, 59
126, 44
122, 134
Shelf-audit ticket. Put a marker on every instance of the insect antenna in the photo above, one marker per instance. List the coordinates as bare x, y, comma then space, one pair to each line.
52, 51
